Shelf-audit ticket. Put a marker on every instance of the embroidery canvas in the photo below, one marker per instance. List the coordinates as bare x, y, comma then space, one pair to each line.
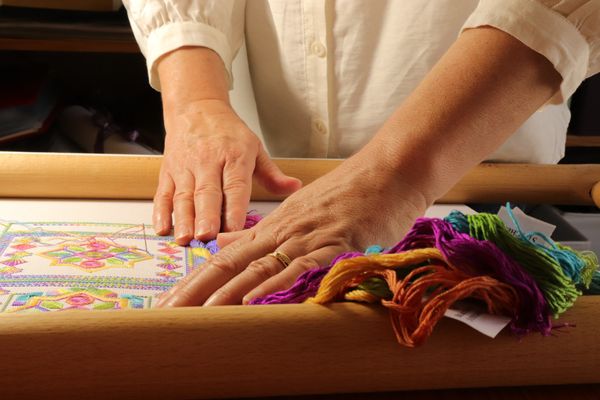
84, 266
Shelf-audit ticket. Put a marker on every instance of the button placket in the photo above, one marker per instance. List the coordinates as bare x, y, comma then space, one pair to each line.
317, 76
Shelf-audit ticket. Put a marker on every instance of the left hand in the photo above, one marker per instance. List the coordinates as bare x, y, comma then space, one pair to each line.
359, 204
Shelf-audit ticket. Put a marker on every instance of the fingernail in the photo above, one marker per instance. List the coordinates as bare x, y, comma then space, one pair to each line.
163, 297
161, 301
182, 237
172, 302
160, 225
233, 224
212, 301
251, 296
162, 229
204, 230
216, 300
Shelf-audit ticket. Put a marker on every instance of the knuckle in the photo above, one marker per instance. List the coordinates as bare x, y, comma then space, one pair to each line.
305, 263
224, 263
207, 188
182, 196
163, 195
263, 269
237, 184
234, 152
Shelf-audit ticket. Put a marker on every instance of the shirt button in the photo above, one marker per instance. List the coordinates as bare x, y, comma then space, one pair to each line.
318, 49
319, 127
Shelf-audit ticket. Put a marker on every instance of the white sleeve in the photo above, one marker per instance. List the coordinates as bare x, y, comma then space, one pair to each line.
161, 26
566, 32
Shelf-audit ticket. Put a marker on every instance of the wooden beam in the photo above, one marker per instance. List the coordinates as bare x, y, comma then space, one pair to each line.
234, 351
69, 45
87, 5
47, 175
583, 141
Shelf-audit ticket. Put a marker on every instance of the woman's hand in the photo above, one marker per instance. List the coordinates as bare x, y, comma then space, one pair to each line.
206, 175
358, 204
210, 154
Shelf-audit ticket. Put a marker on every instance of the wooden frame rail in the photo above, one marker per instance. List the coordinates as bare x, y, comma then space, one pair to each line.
583, 141
134, 177
69, 45
235, 351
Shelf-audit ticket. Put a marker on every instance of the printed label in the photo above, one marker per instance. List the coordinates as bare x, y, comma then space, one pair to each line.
527, 223
473, 316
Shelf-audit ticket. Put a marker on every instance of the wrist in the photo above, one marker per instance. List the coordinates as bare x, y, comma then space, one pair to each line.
202, 111
378, 168
191, 75
403, 167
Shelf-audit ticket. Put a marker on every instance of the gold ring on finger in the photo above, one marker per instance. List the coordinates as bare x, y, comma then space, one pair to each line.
281, 257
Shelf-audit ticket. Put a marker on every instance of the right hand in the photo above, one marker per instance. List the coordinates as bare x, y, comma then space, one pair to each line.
206, 176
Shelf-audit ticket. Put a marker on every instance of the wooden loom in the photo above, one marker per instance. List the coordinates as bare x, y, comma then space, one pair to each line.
238, 351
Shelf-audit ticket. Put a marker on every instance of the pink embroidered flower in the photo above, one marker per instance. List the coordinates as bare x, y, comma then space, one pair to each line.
80, 299
91, 264
97, 245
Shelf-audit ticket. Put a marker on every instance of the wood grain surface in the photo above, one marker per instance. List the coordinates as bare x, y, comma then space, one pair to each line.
47, 175
235, 351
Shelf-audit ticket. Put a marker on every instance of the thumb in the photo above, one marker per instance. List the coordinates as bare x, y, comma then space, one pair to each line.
271, 177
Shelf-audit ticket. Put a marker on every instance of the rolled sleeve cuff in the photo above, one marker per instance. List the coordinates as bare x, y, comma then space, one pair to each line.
174, 35
544, 31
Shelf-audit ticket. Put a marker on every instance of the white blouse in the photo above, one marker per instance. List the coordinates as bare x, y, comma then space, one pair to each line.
326, 74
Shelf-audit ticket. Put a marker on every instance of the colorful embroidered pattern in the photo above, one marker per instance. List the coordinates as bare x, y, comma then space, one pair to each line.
95, 255
73, 299
83, 266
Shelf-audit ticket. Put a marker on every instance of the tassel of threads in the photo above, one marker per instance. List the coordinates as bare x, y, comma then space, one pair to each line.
542, 263
579, 266
476, 258
419, 299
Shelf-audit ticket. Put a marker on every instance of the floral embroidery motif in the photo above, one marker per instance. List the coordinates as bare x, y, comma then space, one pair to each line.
72, 299
95, 255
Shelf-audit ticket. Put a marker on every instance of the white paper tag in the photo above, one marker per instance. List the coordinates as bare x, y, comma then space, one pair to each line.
528, 224
470, 314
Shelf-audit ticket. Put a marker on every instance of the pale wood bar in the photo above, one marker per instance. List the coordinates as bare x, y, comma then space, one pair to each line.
135, 177
234, 351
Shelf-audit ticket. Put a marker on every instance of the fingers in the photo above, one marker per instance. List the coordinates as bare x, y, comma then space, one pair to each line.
163, 205
257, 272
183, 207
218, 270
208, 199
223, 239
271, 177
268, 275
286, 279
237, 187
